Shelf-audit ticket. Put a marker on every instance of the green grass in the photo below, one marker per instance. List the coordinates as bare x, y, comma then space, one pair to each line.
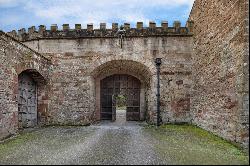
176, 144
12, 143
188, 144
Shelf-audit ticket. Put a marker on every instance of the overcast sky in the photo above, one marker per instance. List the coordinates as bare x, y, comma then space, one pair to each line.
17, 14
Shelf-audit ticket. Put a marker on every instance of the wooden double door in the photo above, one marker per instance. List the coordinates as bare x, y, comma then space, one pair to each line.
120, 84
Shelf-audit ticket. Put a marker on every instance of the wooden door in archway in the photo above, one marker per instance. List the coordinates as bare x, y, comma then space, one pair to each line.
120, 84
27, 101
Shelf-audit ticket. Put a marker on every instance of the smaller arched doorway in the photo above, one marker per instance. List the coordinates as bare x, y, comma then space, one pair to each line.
120, 84
30, 98
27, 101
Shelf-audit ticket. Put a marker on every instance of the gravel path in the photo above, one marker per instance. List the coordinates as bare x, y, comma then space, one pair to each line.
104, 143
120, 143
116, 144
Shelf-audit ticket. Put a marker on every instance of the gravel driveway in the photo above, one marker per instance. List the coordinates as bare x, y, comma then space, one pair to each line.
105, 143
119, 143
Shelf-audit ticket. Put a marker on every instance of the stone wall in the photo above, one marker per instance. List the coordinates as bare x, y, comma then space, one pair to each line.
204, 73
79, 64
220, 92
14, 59
103, 31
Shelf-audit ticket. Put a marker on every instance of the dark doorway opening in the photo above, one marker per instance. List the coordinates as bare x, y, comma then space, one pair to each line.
122, 91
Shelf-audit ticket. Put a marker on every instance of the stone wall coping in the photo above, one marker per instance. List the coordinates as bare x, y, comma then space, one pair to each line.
103, 32
14, 39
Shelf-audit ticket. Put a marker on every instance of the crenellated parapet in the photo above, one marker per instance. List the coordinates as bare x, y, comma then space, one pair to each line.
139, 31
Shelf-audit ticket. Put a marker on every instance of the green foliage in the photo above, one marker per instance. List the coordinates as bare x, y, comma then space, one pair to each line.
120, 101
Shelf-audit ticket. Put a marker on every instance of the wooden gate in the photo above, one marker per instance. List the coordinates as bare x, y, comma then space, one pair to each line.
27, 101
113, 108
126, 85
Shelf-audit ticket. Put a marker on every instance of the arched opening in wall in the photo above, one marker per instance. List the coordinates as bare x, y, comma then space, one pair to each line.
29, 82
126, 78
120, 98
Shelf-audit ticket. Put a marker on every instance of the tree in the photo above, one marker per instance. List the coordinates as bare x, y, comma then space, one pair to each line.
120, 101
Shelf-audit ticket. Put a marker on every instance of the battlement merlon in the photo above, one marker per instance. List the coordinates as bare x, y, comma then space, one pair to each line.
103, 32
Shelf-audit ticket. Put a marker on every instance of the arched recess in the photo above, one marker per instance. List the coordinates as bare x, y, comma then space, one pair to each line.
30, 91
120, 85
124, 67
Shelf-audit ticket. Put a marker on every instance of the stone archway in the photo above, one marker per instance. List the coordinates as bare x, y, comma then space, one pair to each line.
120, 84
134, 69
30, 86
27, 101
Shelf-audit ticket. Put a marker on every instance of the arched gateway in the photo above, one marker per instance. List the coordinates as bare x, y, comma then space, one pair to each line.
128, 78
120, 84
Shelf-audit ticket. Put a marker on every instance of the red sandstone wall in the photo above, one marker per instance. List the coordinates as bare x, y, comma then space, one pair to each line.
15, 58
78, 62
220, 71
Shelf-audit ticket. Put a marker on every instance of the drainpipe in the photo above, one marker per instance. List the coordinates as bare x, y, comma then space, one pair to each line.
158, 65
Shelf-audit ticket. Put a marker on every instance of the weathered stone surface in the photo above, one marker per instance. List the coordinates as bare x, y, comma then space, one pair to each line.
102, 32
14, 59
204, 75
220, 76
80, 64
